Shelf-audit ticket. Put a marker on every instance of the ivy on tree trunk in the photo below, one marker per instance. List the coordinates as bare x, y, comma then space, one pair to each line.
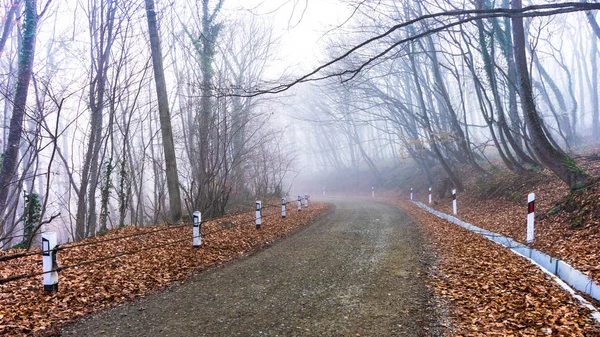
26, 59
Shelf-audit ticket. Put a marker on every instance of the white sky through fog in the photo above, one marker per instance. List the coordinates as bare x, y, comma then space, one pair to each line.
299, 25
301, 28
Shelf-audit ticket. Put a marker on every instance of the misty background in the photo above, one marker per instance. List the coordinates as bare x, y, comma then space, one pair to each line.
252, 114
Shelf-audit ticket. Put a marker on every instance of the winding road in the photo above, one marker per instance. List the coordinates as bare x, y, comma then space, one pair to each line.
358, 270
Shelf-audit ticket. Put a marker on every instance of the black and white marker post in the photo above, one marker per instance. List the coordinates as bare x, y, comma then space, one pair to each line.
299, 203
197, 217
306, 200
411, 194
323, 191
49, 263
283, 204
530, 216
373, 192
258, 213
430, 195
454, 202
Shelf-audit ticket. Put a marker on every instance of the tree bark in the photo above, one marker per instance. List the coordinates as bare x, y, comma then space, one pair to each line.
463, 146
456, 180
26, 59
562, 165
505, 132
9, 23
594, 90
165, 116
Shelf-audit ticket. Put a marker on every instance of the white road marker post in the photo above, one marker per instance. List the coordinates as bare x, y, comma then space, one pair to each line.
454, 202
411, 194
283, 204
306, 200
49, 263
430, 195
530, 217
258, 213
197, 218
373, 192
299, 203
323, 190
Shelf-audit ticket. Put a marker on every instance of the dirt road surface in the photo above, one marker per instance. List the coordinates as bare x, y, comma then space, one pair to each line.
356, 271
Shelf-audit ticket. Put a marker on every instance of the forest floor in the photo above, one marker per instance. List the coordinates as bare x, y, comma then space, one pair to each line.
147, 260
567, 225
491, 291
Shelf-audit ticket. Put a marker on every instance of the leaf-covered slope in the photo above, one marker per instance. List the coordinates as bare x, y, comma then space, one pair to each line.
26, 310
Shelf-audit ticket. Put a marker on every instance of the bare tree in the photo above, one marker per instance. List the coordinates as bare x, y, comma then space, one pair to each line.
165, 116
26, 60
562, 165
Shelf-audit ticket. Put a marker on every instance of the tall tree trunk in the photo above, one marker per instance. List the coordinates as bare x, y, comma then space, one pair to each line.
238, 128
463, 146
563, 127
206, 60
456, 180
26, 59
515, 127
562, 116
489, 70
488, 112
165, 116
210, 32
488, 58
9, 20
574, 104
102, 35
594, 90
594, 54
562, 165
581, 80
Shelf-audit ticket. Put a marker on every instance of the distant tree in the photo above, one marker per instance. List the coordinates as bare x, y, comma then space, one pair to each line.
9, 22
102, 29
541, 141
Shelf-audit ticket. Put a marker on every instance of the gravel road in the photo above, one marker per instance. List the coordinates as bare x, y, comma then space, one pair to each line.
356, 271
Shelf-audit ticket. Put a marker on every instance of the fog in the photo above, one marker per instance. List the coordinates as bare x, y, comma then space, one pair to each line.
270, 98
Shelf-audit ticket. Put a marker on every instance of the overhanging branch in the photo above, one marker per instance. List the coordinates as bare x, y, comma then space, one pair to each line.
463, 16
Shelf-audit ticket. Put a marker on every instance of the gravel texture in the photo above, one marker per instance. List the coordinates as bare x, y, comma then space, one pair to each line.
356, 271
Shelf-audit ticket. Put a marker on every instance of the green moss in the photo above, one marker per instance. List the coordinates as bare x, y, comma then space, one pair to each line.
579, 186
572, 166
576, 223
102, 232
555, 210
516, 196
32, 214
105, 194
20, 245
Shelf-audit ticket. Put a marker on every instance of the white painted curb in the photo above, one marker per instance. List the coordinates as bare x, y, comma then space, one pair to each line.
561, 272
